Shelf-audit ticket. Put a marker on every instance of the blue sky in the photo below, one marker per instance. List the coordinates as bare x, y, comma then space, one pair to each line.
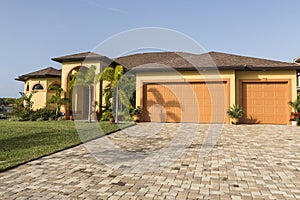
32, 31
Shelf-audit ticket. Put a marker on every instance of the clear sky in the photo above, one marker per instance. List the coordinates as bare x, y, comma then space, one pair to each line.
33, 31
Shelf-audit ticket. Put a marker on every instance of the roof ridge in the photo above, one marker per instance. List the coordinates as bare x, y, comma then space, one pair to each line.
79, 57
155, 52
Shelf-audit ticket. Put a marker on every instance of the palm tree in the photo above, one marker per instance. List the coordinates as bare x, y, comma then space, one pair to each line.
57, 99
295, 104
85, 79
112, 76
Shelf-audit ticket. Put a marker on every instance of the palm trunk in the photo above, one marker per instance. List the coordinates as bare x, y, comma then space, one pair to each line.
90, 106
117, 105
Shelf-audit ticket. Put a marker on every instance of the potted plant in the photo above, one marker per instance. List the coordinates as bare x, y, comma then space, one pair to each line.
295, 114
294, 121
111, 118
136, 112
235, 112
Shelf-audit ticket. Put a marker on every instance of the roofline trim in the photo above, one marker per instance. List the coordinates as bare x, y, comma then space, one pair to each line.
237, 68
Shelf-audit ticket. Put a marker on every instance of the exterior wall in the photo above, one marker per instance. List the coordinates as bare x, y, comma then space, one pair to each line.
192, 75
67, 68
267, 75
234, 77
40, 97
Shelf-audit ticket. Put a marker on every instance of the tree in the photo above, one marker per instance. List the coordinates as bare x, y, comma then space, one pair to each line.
85, 79
118, 85
26, 99
7, 101
126, 91
57, 99
23, 106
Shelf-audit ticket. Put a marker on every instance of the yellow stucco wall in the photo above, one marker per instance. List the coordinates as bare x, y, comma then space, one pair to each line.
67, 68
268, 76
40, 97
189, 75
235, 77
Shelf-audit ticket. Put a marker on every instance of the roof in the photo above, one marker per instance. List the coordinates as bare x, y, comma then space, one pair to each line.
47, 72
188, 61
81, 57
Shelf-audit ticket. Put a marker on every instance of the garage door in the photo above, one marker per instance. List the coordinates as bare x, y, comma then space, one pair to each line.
265, 102
204, 102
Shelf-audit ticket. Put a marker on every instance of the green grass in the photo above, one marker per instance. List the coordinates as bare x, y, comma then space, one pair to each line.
24, 141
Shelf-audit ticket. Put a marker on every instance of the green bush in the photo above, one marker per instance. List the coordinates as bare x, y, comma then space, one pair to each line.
42, 114
235, 112
106, 115
23, 115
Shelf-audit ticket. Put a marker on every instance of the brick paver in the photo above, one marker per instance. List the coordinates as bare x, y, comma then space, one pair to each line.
247, 162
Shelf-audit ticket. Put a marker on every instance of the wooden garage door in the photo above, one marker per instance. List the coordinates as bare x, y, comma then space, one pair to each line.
204, 102
265, 102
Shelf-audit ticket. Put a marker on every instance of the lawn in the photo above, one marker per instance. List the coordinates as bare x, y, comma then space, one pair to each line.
24, 141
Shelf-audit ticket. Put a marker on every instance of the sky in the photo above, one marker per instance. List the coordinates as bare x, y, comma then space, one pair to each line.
32, 31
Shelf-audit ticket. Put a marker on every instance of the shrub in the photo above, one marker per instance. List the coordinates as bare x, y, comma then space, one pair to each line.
43, 114
106, 115
235, 112
136, 111
23, 115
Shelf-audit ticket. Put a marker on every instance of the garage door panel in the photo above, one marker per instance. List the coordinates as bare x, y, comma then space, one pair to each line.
185, 102
257, 111
265, 102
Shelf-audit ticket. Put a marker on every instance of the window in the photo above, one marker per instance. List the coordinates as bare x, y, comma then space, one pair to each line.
37, 87
27, 87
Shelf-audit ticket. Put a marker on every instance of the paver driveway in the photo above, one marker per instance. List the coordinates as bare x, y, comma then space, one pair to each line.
247, 162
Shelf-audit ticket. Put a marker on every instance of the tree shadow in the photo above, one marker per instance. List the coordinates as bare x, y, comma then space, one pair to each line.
163, 107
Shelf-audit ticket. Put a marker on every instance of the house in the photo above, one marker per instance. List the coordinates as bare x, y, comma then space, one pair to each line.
79, 95
183, 87
41, 81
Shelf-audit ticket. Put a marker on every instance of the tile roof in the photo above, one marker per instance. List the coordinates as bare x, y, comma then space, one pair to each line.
81, 57
47, 72
210, 60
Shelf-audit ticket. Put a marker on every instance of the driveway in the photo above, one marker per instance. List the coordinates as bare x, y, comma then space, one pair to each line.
168, 161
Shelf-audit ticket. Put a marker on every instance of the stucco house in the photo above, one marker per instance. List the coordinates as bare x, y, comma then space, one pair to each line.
41, 81
185, 87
